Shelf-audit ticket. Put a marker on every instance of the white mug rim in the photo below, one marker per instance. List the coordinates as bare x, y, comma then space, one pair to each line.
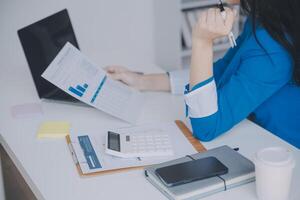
289, 162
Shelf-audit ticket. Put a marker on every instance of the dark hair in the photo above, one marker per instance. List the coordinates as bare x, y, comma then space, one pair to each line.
281, 19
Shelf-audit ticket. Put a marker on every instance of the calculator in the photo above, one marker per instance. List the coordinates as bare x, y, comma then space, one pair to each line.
138, 145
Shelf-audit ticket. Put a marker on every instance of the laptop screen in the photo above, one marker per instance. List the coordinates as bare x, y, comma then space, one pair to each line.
41, 42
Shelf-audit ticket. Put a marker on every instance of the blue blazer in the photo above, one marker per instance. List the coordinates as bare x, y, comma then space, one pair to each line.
253, 80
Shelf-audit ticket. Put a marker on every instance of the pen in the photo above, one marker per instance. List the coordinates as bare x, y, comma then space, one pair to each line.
230, 35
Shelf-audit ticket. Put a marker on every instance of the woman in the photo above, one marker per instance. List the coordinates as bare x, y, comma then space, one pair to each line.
259, 77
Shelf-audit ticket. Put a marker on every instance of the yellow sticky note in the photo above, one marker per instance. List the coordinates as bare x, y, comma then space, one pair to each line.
54, 129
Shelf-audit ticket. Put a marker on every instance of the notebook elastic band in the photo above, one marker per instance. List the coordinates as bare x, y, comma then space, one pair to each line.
225, 186
190, 157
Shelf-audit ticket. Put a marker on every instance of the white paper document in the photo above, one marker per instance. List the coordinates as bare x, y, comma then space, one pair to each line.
74, 73
89, 148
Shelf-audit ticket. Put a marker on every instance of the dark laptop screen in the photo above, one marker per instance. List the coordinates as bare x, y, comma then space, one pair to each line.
41, 42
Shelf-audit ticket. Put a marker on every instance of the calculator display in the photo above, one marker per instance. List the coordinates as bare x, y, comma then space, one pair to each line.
114, 141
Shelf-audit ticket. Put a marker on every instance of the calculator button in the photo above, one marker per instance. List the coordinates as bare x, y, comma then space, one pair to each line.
148, 144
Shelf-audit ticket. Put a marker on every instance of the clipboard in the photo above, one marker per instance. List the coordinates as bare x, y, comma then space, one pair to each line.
184, 129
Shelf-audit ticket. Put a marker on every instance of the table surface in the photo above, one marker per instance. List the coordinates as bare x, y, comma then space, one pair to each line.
47, 165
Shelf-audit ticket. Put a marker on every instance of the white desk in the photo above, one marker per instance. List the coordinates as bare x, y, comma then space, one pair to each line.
47, 165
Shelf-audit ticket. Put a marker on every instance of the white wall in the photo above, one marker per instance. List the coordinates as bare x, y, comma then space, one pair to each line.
108, 31
167, 33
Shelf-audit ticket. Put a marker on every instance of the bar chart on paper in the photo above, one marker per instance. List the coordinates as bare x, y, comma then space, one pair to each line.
91, 85
98, 89
79, 90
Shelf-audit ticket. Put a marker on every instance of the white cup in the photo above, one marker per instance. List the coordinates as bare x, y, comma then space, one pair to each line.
273, 169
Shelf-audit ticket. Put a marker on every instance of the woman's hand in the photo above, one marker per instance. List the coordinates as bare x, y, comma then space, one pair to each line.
130, 78
138, 80
211, 24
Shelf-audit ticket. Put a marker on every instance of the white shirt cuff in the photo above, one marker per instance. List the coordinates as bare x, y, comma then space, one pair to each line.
203, 101
178, 80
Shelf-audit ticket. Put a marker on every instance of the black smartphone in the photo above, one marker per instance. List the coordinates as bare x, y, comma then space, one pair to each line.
191, 171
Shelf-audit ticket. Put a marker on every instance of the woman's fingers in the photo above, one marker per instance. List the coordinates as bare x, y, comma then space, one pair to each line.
202, 18
115, 76
215, 20
118, 76
116, 69
225, 24
230, 16
211, 16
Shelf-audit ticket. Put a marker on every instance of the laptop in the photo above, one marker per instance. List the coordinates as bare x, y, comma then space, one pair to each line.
41, 42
